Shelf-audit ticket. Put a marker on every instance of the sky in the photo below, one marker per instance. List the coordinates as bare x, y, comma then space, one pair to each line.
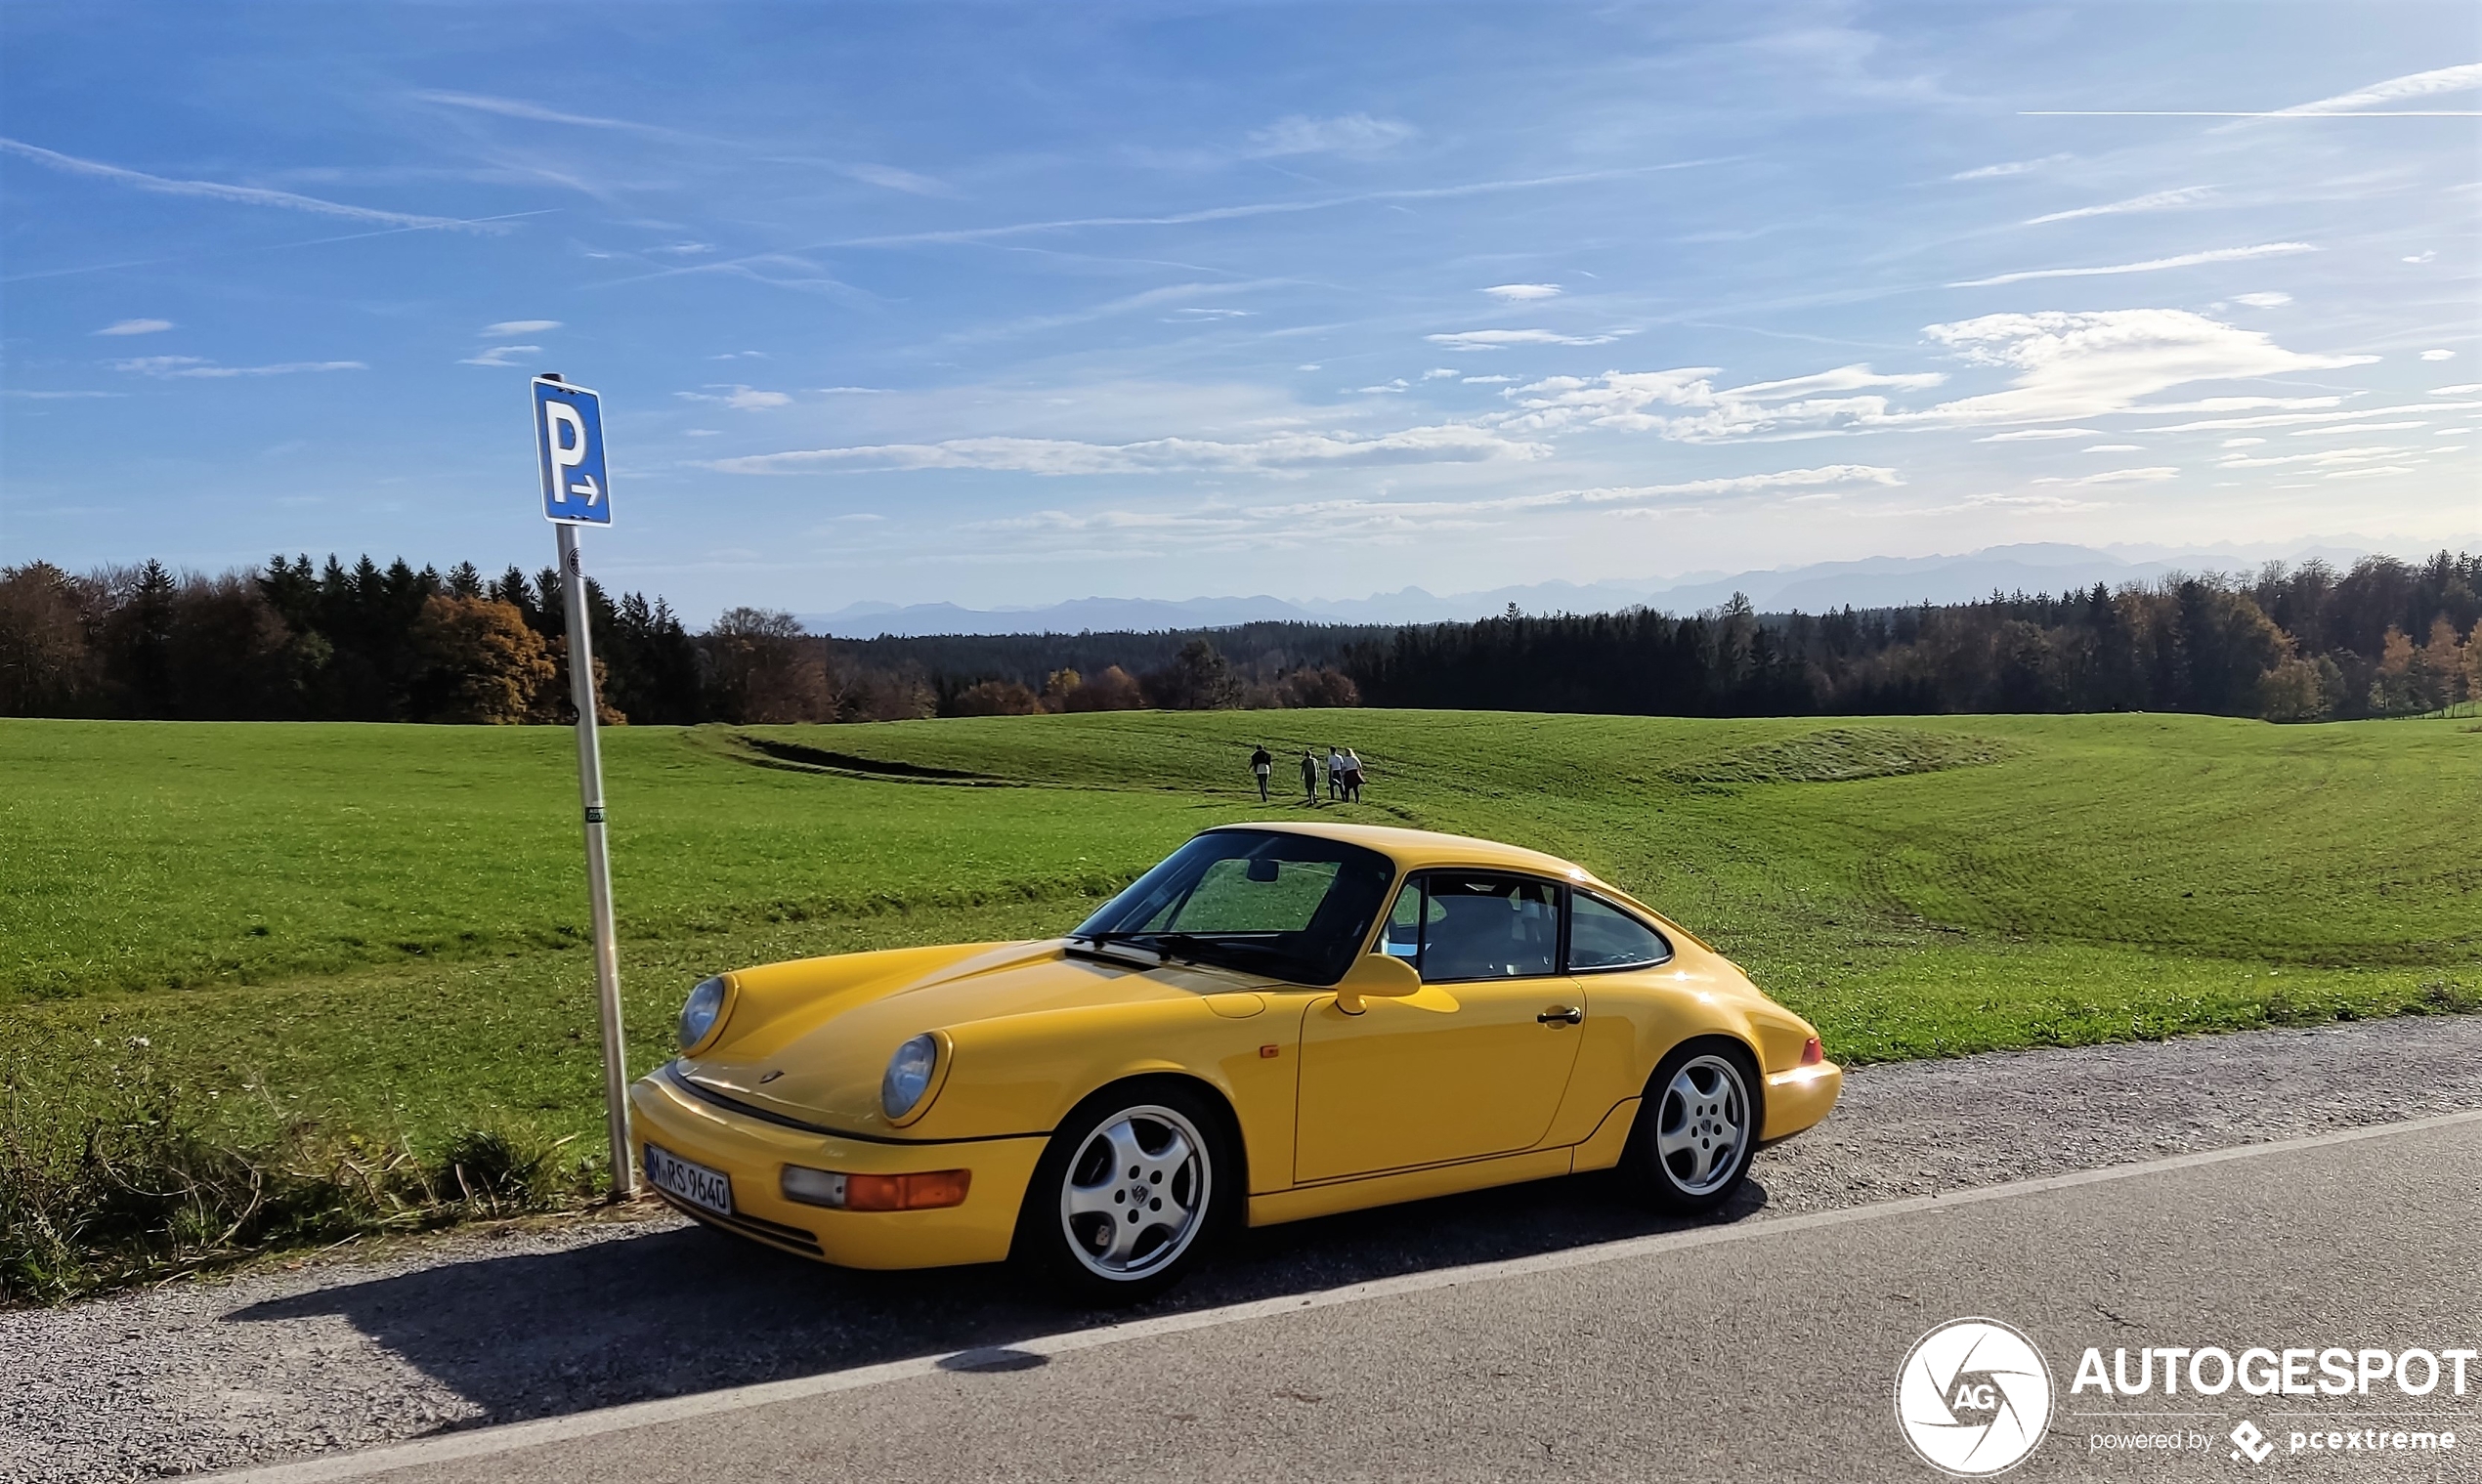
1005, 305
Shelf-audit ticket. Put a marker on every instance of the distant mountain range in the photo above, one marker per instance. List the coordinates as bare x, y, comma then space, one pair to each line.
1872, 582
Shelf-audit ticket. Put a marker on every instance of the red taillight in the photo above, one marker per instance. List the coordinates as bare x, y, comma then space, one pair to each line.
1812, 1053
924, 1191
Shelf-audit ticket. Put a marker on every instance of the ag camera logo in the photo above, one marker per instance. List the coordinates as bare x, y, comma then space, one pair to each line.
1973, 1397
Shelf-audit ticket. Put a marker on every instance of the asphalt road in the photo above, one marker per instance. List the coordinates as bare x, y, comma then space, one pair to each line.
1765, 1349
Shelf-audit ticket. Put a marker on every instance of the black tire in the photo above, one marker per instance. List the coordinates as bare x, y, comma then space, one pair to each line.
1697, 1128
1098, 1224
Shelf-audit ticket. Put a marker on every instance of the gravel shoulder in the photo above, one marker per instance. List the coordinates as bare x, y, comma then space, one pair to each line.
473, 1328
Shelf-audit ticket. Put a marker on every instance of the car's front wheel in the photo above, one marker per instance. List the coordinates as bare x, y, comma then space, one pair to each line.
1696, 1129
1126, 1196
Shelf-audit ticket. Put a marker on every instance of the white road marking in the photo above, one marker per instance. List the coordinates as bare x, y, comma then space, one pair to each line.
511, 1437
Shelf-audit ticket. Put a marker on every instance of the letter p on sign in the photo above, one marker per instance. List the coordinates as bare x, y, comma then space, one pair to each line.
569, 446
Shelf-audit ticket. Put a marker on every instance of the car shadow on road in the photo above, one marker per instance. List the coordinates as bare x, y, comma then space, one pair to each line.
685, 1309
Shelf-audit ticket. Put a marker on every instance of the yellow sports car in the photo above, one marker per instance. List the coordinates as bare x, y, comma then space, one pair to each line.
1279, 1021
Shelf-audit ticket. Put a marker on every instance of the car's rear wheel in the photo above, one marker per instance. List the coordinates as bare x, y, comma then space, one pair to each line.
1124, 1200
1696, 1129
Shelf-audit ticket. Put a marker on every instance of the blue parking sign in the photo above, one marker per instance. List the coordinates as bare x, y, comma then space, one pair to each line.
569, 443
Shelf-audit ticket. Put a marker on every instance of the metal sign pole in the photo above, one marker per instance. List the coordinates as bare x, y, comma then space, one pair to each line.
581, 689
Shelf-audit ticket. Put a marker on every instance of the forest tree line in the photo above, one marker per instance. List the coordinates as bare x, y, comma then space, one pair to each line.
366, 643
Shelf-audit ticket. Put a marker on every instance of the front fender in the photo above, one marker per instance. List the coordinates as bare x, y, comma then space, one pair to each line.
1022, 1073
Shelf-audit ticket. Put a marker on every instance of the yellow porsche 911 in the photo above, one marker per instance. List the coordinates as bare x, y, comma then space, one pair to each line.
1279, 1021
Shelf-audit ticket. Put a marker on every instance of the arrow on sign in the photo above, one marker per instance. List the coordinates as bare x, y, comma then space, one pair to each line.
586, 486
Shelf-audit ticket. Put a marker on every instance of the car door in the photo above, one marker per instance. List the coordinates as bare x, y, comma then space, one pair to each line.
1473, 1064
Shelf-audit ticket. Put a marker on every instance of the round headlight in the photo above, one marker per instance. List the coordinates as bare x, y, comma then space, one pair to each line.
908, 1075
700, 1010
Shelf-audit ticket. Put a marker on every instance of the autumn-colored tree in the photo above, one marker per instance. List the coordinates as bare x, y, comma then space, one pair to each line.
996, 697
479, 663
2292, 692
2393, 688
1320, 688
2443, 659
46, 666
1056, 687
1115, 689
763, 666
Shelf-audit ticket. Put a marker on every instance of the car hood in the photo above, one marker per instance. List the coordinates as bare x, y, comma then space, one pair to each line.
818, 1060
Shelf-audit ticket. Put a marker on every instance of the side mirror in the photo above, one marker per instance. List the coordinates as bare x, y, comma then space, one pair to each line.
1376, 976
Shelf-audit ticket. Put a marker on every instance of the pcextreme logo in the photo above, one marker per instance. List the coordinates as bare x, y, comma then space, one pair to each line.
1973, 1397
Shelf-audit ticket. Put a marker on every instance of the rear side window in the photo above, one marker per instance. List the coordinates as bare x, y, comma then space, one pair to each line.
1603, 938
1458, 925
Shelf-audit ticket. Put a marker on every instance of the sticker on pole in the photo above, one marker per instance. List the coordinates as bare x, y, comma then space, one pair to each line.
569, 443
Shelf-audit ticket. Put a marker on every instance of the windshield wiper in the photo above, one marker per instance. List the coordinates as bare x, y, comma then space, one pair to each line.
1103, 943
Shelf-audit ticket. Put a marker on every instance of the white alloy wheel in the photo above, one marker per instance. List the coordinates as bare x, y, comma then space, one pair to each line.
1136, 1192
1702, 1130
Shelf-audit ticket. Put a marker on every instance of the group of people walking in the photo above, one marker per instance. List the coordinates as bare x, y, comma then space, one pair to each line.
1344, 772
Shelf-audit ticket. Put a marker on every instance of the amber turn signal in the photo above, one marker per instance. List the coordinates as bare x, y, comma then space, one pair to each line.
922, 1191
1812, 1053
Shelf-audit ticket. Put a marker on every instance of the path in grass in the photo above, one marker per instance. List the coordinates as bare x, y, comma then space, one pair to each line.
386, 921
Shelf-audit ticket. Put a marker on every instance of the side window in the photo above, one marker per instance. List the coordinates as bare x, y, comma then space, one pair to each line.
1459, 925
1404, 936
1603, 938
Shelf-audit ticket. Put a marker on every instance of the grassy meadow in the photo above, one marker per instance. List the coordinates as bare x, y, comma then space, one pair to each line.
382, 928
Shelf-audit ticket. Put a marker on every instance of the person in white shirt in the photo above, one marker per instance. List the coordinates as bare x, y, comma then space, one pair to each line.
1335, 774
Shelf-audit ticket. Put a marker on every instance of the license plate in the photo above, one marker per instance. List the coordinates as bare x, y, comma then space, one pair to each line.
694, 1183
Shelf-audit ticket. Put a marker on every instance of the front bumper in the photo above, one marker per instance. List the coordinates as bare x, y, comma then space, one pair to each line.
753, 1153
1799, 1099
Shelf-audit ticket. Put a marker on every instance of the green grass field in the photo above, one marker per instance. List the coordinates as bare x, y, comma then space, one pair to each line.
384, 925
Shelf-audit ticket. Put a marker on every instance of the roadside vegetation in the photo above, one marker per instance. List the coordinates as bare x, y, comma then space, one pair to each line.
277, 985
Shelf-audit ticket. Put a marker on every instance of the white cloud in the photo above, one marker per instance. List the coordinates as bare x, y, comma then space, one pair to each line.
1520, 293
1352, 134
2427, 255
497, 356
2439, 354
2115, 448
244, 195
1488, 381
2080, 364
508, 327
1439, 373
2294, 419
2269, 300
200, 367
2324, 458
1492, 340
2380, 472
2362, 427
1449, 442
1629, 400
2243, 443
135, 327
2150, 265
2157, 202
2007, 167
2071, 366
737, 397
2465, 390
1386, 387
2456, 79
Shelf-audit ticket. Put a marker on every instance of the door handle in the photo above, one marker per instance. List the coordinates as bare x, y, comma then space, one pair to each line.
1562, 1014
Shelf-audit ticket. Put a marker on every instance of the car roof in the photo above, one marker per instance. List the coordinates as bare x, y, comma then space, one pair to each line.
1414, 849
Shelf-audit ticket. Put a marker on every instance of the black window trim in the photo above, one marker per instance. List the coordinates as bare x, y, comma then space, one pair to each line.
1669, 951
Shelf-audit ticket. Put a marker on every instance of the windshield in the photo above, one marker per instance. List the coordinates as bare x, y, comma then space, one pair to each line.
1292, 907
